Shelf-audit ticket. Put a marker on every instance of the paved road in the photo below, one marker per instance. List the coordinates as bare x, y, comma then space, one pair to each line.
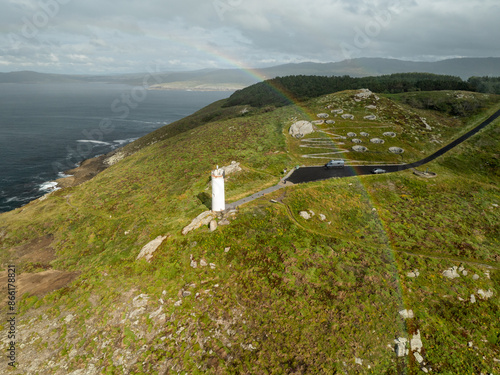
308, 174
233, 205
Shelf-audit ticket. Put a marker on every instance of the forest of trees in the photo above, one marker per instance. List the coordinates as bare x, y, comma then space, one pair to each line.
282, 91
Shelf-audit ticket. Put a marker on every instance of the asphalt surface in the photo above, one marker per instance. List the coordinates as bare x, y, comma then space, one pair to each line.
308, 174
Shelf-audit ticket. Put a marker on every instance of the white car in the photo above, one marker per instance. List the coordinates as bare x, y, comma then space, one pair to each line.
378, 171
335, 163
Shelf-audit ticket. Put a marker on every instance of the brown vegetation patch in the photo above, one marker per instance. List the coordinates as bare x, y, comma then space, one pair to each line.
38, 283
38, 250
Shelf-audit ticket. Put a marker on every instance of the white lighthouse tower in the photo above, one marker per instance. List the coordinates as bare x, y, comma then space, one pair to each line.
218, 200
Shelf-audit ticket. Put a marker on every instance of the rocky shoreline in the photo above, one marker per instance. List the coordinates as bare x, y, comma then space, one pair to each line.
84, 172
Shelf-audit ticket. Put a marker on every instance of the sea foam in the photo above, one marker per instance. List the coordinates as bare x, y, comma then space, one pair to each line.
49, 186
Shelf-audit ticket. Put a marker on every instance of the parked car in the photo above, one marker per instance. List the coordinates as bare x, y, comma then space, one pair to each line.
335, 163
378, 171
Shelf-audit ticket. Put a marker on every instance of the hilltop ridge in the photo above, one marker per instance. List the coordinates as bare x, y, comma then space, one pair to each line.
238, 78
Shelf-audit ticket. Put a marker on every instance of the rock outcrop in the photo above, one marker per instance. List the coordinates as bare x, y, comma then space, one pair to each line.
232, 168
451, 273
202, 219
406, 314
301, 128
148, 249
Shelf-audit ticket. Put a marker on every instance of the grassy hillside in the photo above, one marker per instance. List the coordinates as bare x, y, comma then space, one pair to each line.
271, 292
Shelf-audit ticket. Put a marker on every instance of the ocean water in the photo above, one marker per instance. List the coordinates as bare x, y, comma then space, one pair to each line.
46, 129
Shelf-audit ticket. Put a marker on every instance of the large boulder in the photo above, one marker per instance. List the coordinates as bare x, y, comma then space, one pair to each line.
301, 128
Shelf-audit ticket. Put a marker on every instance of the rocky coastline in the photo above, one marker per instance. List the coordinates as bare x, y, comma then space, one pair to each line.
84, 172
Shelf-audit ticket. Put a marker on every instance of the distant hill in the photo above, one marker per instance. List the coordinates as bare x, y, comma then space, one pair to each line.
233, 79
34, 77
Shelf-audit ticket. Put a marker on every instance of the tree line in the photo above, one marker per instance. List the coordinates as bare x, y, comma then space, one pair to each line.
282, 91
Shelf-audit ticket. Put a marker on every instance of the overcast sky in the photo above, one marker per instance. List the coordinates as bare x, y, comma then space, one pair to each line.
122, 36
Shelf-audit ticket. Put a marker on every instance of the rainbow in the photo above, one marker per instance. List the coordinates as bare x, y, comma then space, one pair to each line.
389, 245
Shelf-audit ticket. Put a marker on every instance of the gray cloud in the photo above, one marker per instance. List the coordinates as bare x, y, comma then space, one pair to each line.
93, 36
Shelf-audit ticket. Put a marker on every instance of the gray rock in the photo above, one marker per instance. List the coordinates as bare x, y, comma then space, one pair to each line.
186, 293
212, 266
363, 94
148, 249
301, 128
475, 277
472, 298
418, 357
202, 219
323, 115
226, 250
305, 215
406, 314
193, 263
400, 347
203, 263
424, 121
156, 313
140, 301
213, 225
416, 343
370, 117
224, 222
451, 273
322, 217
485, 295
232, 168
347, 116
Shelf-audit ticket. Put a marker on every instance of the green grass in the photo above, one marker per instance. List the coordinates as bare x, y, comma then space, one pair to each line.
290, 295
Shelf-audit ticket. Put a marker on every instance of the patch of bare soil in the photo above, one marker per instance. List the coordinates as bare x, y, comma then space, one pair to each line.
39, 283
40, 254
